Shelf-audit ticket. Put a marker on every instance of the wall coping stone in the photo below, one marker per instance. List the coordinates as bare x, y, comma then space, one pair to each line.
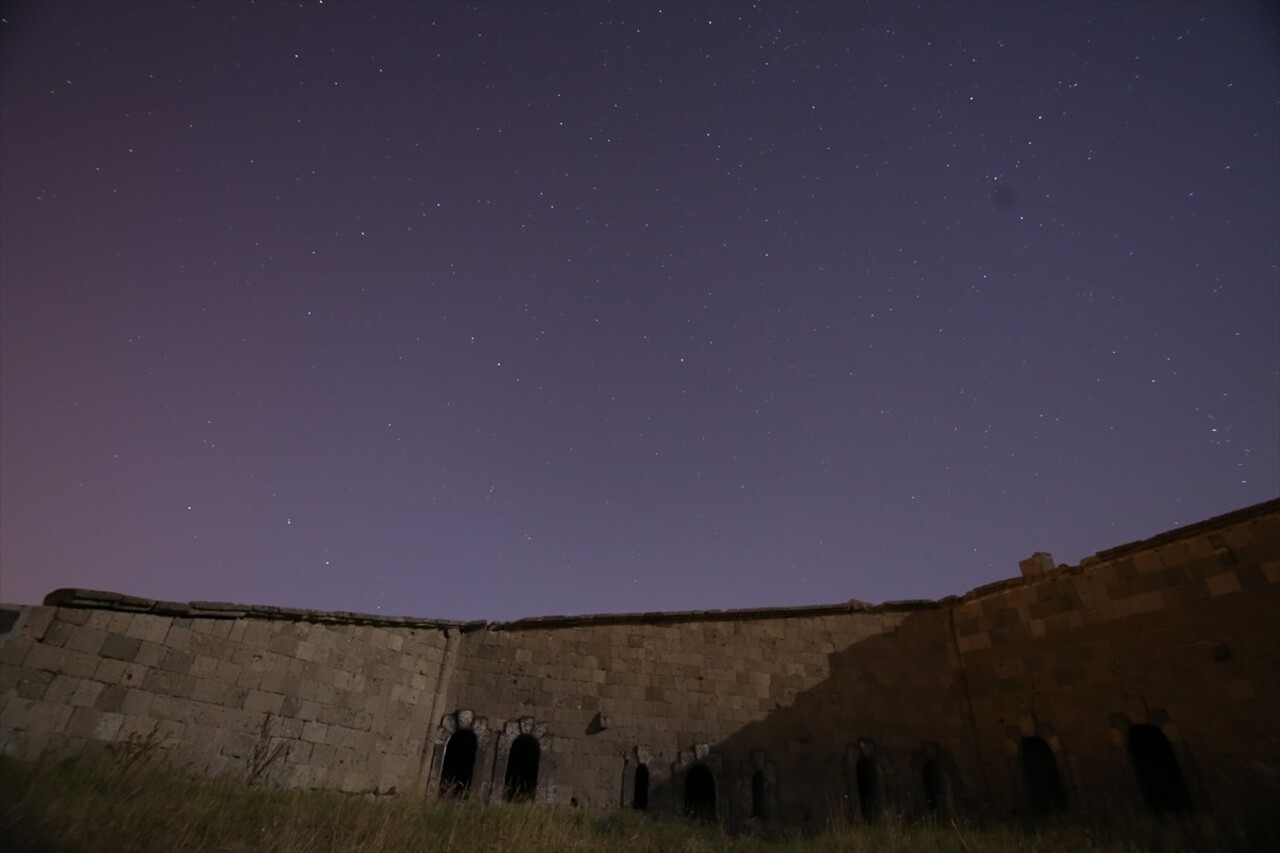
95, 599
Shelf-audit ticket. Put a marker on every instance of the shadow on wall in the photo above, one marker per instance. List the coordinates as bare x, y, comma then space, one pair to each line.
881, 735
891, 733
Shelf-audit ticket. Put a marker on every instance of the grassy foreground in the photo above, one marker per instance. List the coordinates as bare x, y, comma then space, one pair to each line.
97, 805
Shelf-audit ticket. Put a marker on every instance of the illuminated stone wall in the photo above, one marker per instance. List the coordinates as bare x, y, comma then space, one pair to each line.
1070, 688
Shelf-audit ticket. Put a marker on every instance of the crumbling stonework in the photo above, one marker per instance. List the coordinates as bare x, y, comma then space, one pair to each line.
1145, 678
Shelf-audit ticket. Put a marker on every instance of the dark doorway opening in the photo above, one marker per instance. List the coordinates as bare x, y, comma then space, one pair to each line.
1045, 793
522, 769
700, 793
867, 773
931, 777
759, 802
1159, 775
459, 764
640, 791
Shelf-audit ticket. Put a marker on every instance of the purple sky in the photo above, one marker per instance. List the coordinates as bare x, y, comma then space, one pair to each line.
493, 310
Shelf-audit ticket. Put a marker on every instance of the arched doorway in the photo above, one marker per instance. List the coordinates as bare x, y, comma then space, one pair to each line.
759, 793
1156, 767
867, 773
1045, 794
459, 764
700, 793
931, 779
522, 769
640, 790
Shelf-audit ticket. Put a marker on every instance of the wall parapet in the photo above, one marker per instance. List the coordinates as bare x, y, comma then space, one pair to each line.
94, 599
1033, 693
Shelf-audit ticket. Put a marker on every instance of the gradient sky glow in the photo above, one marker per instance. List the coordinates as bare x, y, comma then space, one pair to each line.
494, 310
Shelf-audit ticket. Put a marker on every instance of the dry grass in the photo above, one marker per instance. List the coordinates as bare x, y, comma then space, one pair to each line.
104, 804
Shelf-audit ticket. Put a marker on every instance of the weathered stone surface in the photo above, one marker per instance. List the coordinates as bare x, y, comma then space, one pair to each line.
1176, 633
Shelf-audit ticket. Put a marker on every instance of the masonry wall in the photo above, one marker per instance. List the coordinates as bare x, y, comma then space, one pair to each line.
798, 715
892, 699
732, 692
1181, 632
351, 702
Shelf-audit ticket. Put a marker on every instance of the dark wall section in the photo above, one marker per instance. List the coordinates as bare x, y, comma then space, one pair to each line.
1154, 660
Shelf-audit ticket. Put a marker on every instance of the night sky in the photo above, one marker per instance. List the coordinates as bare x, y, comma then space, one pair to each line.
494, 310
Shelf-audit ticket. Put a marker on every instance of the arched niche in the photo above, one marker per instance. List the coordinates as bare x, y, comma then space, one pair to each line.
1165, 781
870, 779
935, 782
1040, 770
642, 776
1156, 767
523, 762
696, 776
757, 800
1041, 776
461, 753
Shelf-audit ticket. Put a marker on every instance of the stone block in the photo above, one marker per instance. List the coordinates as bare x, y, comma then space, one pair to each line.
45, 657
260, 702
284, 645
1222, 584
357, 782
216, 693
313, 652
14, 649
87, 640
177, 662
152, 629
204, 667
1144, 603
217, 628
37, 621
110, 671
34, 685
107, 727
82, 723
120, 647
179, 638
249, 679
149, 654
72, 615
227, 672
111, 698
86, 694
299, 751
37, 720
58, 634
137, 703
975, 642
168, 683
237, 745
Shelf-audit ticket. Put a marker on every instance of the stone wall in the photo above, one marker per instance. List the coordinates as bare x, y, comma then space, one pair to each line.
351, 701
1181, 633
670, 691
1032, 694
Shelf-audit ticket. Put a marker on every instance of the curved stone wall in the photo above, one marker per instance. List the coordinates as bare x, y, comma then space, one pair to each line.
1065, 688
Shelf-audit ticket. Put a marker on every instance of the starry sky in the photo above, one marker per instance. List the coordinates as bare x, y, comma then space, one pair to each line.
489, 310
